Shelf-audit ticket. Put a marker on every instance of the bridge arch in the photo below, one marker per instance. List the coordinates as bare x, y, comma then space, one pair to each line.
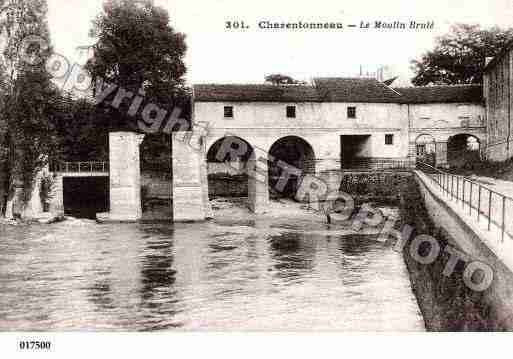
234, 170
292, 157
463, 149
227, 161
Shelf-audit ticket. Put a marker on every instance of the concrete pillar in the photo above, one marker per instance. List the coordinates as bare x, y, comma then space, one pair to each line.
258, 185
441, 154
125, 176
189, 177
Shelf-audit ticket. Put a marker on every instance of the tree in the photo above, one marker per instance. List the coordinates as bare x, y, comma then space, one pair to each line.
28, 109
280, 79
82, 131
137, 50
459, 56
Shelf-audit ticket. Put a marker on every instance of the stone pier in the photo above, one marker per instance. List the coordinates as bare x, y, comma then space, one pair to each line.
258, 187
190, 188
125, 177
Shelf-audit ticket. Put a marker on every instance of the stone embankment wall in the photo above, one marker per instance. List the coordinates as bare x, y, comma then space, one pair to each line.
447, 303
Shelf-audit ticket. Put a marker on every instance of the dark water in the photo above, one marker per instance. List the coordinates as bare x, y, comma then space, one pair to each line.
78, 275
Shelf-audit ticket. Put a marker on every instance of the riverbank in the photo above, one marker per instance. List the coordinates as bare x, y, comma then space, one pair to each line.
295, 216
43, 218
447, 304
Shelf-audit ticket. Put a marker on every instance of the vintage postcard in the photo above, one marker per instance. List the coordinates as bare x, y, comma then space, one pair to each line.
184, 166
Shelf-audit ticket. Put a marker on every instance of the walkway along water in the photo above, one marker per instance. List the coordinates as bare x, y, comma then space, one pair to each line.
433, 205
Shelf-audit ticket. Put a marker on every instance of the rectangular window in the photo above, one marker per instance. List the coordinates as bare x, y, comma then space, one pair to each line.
389, 139
228, 111
291, 111
351, 112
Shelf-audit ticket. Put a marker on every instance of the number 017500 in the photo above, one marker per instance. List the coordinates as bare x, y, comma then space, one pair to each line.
34, 345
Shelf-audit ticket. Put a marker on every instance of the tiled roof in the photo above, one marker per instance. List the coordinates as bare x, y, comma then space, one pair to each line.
255, 93
441, 94
337, 90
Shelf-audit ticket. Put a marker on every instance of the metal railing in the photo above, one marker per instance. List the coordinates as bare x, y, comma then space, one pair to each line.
480, 201
378, 164
80, 167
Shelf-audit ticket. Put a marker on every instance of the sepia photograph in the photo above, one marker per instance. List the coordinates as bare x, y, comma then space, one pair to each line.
243, 168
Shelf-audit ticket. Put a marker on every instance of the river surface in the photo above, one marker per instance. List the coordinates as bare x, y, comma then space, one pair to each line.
259, 275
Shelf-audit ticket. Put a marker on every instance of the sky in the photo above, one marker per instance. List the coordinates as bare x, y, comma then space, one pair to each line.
218, 55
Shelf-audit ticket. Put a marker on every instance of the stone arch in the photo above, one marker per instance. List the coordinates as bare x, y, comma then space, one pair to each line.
234, 170
227, 161
291, 157
463, 149
229, 149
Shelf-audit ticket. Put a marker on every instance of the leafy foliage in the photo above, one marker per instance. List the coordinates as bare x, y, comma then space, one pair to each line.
31, 124
30, 101
459, 56
82, 129
138, 50
280, 79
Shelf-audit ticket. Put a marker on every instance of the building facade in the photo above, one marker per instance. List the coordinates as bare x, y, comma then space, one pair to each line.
344, 121
497, 89
445, 121
293, 140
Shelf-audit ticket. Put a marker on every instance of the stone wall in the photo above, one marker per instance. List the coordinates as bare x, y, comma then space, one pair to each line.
446, 115
229, 168
500, 151
319, 124
220, 185
189, 178
464, 309
498, 85
125, 176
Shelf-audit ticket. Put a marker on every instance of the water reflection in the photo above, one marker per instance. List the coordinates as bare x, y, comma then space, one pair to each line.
294, 255
157, 274
101, 296
235, 276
